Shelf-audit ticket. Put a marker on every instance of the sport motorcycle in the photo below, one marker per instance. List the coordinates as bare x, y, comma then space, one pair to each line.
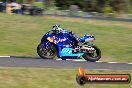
66, 45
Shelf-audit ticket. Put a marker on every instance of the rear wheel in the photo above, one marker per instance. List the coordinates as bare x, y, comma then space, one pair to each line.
94, 56
46, 52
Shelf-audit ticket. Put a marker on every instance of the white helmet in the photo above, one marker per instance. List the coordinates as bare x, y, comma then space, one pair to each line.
56, 29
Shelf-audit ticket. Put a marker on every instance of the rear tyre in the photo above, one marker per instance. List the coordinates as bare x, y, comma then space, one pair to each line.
93, 56
46, 52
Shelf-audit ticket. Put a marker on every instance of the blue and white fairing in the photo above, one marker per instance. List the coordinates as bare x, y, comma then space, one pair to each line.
60, 39
87, 38
61, 42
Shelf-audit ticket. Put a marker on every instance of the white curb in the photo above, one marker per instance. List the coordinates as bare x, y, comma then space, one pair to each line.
129, 63
99, 61
78, 60
58, 59
111, 62
5, 56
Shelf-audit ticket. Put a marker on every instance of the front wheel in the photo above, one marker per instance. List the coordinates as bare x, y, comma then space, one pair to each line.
94, 56
46, 52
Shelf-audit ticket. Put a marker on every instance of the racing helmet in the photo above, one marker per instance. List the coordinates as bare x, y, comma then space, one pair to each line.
56, 29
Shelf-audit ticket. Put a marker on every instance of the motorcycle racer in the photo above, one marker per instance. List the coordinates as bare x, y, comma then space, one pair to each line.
57, 30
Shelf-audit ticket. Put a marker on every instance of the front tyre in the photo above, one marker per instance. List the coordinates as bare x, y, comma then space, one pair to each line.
95, 56
46, 52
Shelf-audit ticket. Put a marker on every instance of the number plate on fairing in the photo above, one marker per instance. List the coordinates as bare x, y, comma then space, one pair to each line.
68, 52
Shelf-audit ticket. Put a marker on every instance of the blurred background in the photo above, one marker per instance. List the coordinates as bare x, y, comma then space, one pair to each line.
24, 22
20, 32
79, 8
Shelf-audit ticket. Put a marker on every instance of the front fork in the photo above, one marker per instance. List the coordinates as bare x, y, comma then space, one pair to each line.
59, 52
87, 48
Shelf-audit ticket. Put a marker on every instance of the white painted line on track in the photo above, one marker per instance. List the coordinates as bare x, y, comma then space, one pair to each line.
99, 61
78, 60
129, 63
68, 59
58, 59
111, 62
5, 56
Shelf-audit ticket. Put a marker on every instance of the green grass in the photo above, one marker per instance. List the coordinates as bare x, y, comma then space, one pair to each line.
20, 35
51, 78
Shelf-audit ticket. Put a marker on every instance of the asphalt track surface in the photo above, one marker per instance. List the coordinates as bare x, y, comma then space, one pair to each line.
38, 62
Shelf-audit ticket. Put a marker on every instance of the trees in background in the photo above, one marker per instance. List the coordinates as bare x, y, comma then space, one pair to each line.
30, 1
119, 6
19, 1
102, 6
48, 3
